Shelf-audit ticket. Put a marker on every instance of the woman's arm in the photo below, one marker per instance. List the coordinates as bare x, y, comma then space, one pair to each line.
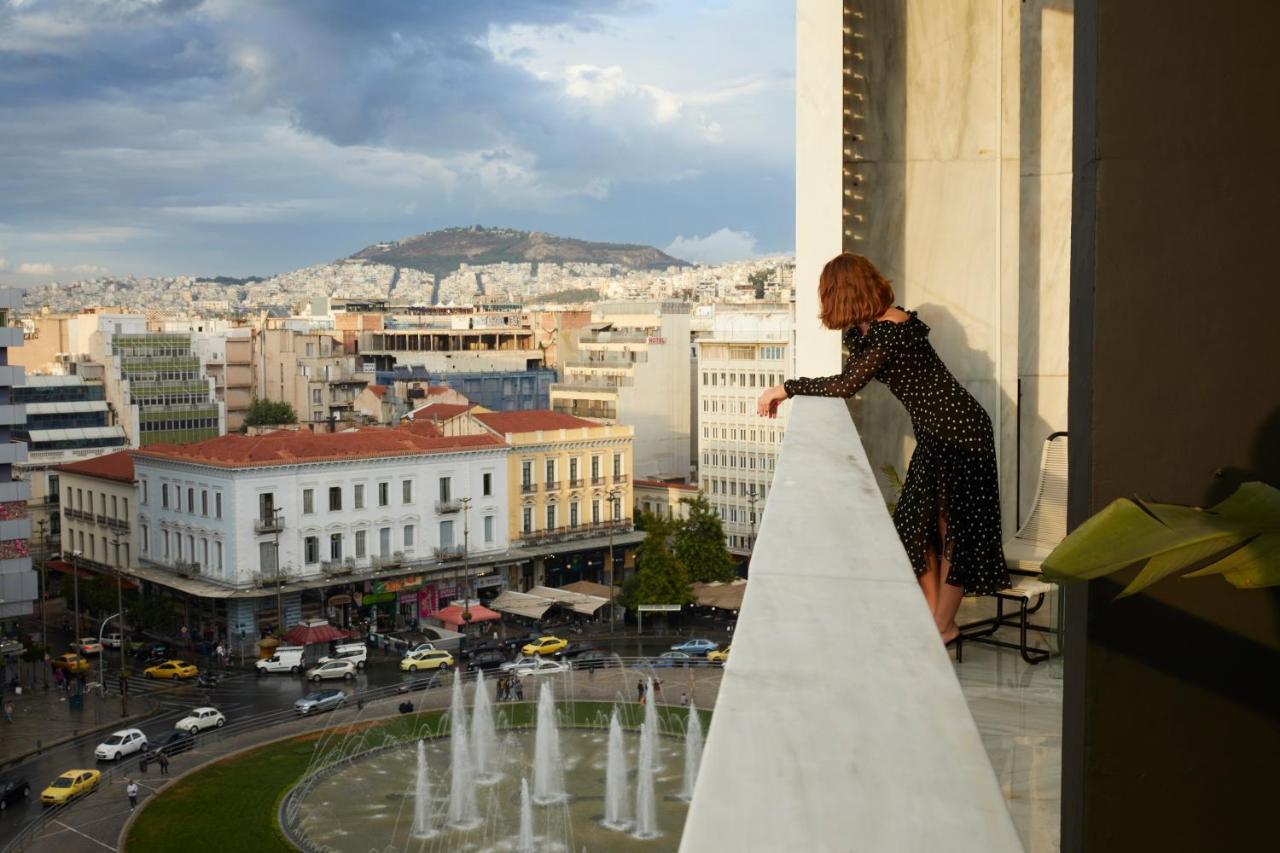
857, 373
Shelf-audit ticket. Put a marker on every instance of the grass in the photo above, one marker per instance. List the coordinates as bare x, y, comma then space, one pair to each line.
231, 804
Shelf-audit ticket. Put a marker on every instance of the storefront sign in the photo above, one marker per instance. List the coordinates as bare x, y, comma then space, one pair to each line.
488, 581
428, 600
339, 600
378, 598
396, 584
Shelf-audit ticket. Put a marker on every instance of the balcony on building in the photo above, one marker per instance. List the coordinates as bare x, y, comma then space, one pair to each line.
528, 488
449, 552
448, 506
268, 524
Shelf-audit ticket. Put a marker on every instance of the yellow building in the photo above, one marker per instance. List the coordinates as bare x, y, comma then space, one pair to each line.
568, 476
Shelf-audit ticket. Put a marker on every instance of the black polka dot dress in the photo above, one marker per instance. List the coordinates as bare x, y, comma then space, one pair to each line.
953, 470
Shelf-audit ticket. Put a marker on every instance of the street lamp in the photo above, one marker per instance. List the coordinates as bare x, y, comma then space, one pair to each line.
44, 595
75, 581
752, 497
466, 558
276, 523
115, 543
613, 522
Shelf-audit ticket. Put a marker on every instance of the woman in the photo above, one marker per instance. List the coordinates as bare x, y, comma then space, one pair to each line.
948, 516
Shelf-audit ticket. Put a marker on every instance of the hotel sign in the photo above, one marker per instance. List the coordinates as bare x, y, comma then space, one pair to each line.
656, 339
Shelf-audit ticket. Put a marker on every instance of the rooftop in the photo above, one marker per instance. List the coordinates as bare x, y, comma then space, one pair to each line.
285, 447
113, 466
663, 484
439, 411
531, 420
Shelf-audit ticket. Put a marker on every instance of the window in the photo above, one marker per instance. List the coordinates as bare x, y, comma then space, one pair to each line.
204, 550
573, 514
595, 468
217, 504
308, 502
164, 535
617, 465
204, 502
360, 544
315, 396
406, 491
573, 468
595, 512
177, 545
408, 535
486, 487
357, 496
551, 472
616, 509
335, 498
526, 523
146, 539
384, 494
115, 509
219, 544
144, 492
191, 500
488, 528
446, 489
384, 541
335, 546
164, 495
317, 415
526, 473
311, 549
191, 547
551, 517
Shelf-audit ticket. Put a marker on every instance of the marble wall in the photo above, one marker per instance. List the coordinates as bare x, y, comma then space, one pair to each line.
961, 181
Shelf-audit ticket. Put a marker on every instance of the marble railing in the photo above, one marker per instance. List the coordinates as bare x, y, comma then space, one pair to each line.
840, 724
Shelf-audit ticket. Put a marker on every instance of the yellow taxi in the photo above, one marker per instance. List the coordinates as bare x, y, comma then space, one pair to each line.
544, 646
71, 662
426, 659
719, 655
70, 785
171, 669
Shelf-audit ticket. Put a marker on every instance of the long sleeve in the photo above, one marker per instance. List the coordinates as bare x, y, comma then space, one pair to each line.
858, 371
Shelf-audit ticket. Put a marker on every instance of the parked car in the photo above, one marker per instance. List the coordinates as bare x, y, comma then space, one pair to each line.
487, 660
172, 669
420, 647
88, 646
333, 669
475, 647
200, 719
695, 647
522, 660
427, 659
68, 786
112, 641
719, 656
591, 659
544, 646
421, 682
153, 653
71, 662
541, 666
320, 700
357, 653
12, 790
119, 744
674, 659
572, 650
514, 644
176, 742
284, 659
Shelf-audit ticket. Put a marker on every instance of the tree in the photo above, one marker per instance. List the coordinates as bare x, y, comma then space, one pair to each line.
699, 543
270, 413
660, 577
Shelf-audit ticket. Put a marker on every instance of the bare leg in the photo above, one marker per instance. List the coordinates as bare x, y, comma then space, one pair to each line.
948, 600
930, 580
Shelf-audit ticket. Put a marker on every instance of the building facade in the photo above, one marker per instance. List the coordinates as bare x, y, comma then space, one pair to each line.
309, 370
99, 511
18, 587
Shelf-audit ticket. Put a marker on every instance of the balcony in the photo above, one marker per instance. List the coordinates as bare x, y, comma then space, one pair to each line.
575, 483
597, 481
893, 726
619, 478
187, 569
446, 507
554, 485
268, 525
449, 552
118, 524
332, 568
77, 514
571, 532
528, 488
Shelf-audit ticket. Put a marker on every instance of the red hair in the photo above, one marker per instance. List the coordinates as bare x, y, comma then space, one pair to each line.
852, 291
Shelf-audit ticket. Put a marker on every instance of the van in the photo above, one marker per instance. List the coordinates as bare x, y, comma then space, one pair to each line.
286, 659
357, 653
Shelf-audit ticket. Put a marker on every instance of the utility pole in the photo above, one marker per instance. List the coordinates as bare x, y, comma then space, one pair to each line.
752, 497
276, 524
124, 707
613, 522
75, 581
44, 595
466, 559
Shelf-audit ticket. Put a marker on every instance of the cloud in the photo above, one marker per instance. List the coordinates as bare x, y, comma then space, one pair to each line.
90, 269
717, 247
4, 263
29, 268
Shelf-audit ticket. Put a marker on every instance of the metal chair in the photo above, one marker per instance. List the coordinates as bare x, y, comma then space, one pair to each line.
1024, 553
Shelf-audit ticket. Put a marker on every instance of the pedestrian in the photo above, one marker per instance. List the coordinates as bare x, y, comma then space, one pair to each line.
132, 790
657, 690
8, 712
640, 690
57, 678
519, 690
163, 761
684, 698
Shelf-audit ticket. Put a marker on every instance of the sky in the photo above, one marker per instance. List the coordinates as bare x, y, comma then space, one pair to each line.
250, 137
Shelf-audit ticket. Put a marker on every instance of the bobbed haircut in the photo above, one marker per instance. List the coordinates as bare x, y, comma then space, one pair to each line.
852, 291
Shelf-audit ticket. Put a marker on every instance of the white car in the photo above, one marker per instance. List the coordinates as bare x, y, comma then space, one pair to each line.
421, 647
111, 641
520, 662
201, 719
121, 743
88, 646
332, 669
541, 666
357, 653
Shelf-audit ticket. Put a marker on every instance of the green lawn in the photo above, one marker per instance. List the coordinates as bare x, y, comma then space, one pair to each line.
231, 805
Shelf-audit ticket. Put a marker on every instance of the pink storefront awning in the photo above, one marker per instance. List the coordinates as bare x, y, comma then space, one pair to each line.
452, 615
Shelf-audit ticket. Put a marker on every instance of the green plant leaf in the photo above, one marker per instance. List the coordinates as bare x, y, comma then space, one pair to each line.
1171, 562
1255, 565
1252, 503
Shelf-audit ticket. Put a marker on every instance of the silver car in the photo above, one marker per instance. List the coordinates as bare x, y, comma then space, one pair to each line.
320, 700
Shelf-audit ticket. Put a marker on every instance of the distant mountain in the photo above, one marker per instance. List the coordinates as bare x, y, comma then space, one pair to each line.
443, 251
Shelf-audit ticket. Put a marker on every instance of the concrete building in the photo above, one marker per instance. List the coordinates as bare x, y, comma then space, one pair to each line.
227, 355
662, 498
744, 350
18, 587
635, 369
99, 511
500, 390
454, 341
309, 370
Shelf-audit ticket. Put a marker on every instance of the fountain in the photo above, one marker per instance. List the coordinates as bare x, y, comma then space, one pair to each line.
548, 773
463, 813
524, 841
651, 720
422, 797
484, 737
692, 751
646, 817
615, 779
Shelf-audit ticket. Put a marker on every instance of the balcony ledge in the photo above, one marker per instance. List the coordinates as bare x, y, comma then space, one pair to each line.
840, 722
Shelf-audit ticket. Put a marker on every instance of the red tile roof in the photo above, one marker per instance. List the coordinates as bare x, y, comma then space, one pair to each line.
439, 411
286, 447
433, 390
378, 390
531, 420
114, 466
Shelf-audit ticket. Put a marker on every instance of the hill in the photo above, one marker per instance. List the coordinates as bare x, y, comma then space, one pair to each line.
443, 251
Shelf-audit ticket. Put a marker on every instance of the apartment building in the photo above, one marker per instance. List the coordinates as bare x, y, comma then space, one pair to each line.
744, 350
98, 509
634, 369
18, 587
308, 369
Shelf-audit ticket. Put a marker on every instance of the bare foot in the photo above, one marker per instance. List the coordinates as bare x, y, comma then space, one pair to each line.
949, 633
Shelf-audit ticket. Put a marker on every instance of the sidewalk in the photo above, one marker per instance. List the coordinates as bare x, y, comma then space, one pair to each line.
42, 719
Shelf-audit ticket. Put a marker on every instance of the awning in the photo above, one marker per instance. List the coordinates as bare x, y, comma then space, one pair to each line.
452, 615
63, 566
725, 596
599, 590
66, 568
585, 604
310, 633
520, 604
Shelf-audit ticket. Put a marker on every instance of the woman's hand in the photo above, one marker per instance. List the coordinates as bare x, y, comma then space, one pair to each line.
767, 405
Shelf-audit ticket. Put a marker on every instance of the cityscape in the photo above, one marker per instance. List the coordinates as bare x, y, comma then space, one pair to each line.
408, 409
